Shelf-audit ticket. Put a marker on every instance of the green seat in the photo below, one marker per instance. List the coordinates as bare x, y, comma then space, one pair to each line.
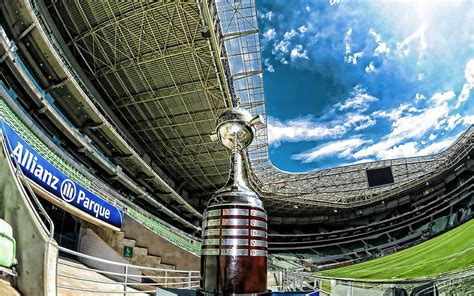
7, 245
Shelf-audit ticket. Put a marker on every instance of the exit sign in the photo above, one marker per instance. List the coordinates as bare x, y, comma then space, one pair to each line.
127, 251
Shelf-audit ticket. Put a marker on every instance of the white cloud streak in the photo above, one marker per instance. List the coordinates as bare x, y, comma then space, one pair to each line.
405, 46
300, 129
341, 148
359, 100
469, 85
409, 123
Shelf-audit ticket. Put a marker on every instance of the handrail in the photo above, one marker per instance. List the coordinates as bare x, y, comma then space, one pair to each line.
32, 195
441, 279
131, 282
85, 256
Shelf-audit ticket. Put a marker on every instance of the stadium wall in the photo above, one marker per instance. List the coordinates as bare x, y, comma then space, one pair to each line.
36, 252
157, 246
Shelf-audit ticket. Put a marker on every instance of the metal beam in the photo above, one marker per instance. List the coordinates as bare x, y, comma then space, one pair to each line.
216, 47
164, 92
115, 20
176, 124
153, 56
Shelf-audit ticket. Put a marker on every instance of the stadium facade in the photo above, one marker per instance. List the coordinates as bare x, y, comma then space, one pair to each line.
117, 101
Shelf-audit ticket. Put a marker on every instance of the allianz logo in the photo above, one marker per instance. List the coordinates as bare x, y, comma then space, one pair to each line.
28, 162
68, 190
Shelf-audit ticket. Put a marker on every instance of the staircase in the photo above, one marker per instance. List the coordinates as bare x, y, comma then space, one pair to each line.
140, 254
75, 278
117, 241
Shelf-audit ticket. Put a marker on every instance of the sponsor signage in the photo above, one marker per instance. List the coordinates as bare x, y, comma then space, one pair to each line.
36, 168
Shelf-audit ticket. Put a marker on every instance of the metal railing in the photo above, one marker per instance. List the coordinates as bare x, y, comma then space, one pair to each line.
123, 278
447, 284
31, 195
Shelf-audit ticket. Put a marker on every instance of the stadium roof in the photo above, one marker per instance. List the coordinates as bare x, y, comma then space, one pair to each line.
163, 73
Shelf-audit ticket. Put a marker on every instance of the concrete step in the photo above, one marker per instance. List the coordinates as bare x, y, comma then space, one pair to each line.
74, 275
128, 242
120, 236
139, 251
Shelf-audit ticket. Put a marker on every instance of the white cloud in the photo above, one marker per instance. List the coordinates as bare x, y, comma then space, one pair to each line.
468, 120
421, 76
269, 34
382, 47
334, 2
268, 15
469, 85
435, 147
359, 100
364, 160
370, 68
358, 121
300, 129
393, 114
432, 137
419, 97
352, 59
440, 98
347, 41
281, 46
310, 129
308, 9
404, 150
290, 34
303, 29
268, 66
341, 148
298, 52
453, 121
408, 123
376, 36
419, 35
416, 125
411, 149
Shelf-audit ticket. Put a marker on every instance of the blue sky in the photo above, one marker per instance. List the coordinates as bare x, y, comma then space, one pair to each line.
356, 81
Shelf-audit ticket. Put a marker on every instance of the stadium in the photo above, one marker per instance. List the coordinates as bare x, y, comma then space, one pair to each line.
136, 161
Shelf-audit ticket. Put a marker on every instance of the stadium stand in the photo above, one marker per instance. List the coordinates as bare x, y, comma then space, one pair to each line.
438, 210
155, 225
